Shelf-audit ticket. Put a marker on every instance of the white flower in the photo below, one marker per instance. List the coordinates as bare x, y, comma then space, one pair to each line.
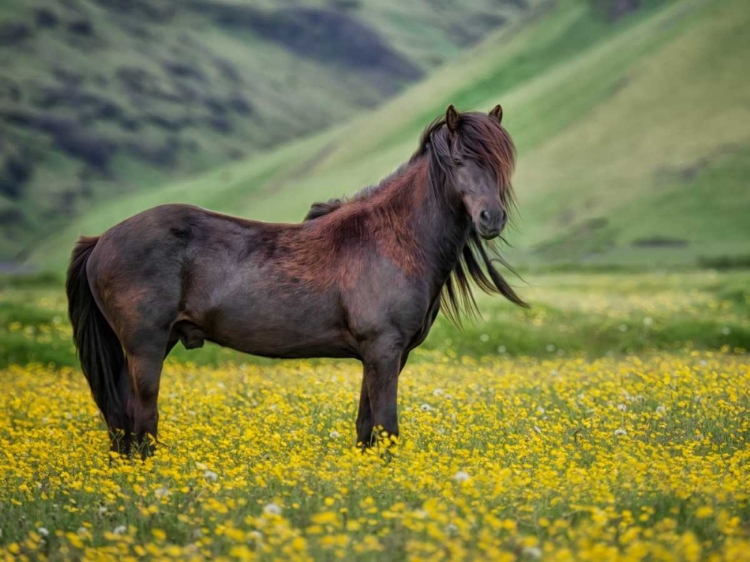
437, 392
623, 327
82, 531
210, 475
425, 408
620, 431
661, 410
451, 528
532, 551
334, 434
647, 321
102, 510
272, 509
726, 330
540, 411
501, 349
161, 492
536, 428
461, 476
43, 531
550, 347
484, 338
120, 530
622, 407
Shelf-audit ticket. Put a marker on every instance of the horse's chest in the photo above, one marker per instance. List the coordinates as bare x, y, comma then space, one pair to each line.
427, 322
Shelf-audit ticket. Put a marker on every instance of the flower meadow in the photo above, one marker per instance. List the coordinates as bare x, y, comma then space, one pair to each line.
621, 458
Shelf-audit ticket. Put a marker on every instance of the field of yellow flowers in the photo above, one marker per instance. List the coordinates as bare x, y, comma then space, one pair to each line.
624, 458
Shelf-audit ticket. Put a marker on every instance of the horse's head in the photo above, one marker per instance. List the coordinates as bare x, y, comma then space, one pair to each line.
476, 156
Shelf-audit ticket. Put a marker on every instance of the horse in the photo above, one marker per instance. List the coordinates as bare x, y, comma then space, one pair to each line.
361, 278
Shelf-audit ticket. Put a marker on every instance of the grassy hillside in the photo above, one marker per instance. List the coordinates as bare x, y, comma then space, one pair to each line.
633, 139
99, 98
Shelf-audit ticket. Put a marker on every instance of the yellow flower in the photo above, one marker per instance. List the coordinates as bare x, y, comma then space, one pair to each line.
285, 490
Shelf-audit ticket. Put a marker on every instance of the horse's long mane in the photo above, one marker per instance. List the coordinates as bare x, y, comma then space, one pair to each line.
483, 139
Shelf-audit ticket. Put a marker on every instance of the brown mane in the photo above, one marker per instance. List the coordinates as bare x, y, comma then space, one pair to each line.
480, 138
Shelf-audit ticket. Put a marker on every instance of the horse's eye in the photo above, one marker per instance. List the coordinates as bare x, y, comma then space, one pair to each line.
458, 163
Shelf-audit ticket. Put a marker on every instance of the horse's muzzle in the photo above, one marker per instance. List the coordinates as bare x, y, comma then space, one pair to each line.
491, 223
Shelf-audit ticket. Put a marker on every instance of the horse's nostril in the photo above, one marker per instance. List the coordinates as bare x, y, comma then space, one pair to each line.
484, 216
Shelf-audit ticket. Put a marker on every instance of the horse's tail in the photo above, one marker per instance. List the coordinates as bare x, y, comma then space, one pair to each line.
99, 349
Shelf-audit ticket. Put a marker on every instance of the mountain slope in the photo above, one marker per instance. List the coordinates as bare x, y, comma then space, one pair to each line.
103, 97
633, 139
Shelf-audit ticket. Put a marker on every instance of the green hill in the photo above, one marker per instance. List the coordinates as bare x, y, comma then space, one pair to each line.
100, 98
633, 139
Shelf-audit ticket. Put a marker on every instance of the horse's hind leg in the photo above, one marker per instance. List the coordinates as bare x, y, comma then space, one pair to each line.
121, 434
145, 373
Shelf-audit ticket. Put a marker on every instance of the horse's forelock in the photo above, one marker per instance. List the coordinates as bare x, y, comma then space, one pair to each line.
480, 137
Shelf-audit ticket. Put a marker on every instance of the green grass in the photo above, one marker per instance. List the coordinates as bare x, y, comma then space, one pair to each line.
639, 128
590, 315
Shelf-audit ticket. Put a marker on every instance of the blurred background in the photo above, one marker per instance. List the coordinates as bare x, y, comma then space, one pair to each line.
631, 118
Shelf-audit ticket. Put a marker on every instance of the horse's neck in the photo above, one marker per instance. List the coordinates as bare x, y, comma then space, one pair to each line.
446, 235
440, 230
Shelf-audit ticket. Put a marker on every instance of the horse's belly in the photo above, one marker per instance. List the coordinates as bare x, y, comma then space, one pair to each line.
279, 328
284, 344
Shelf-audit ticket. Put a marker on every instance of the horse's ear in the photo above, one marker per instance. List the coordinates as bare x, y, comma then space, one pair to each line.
452, 118
497, 113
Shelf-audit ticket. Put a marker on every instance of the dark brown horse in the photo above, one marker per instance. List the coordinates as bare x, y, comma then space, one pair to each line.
361, 278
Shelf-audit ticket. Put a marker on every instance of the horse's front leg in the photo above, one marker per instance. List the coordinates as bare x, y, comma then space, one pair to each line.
382, 367
364, 416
